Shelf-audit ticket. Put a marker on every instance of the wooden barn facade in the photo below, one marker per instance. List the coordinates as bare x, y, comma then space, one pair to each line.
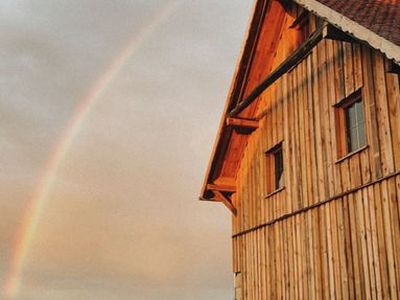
307, 156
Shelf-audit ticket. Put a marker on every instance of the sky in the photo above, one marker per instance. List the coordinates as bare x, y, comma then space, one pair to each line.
121, 219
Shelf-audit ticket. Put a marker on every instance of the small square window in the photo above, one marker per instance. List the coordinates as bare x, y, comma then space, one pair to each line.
274, 165
350, 118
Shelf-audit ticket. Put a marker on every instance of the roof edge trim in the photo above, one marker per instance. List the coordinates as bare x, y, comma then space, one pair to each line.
241, 66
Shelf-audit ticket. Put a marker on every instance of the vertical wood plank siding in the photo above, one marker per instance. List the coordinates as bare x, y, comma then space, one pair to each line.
345, 248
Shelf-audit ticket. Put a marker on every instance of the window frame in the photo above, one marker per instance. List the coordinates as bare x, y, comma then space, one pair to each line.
272, 183
342, 125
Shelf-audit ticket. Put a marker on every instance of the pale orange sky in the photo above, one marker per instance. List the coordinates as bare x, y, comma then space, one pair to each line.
122, 220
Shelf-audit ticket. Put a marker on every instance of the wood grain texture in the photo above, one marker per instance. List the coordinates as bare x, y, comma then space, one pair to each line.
294, 244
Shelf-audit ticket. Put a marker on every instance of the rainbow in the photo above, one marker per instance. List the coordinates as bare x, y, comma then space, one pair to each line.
36, 204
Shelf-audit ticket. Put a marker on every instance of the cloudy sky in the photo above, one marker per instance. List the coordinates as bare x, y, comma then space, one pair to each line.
121, 220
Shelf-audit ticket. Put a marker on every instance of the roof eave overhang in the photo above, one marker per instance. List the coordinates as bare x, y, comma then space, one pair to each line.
391, 50
242, 66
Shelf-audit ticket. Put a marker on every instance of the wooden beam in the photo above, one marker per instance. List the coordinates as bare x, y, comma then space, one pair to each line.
392, 67
283, 68
226, 201
221, 188
333, 33
286, 4
242, 126
303, 17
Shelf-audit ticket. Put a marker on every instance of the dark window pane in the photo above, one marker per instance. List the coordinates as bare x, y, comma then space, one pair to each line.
361, 124
352, 116
353, 140
280, 181
278, 168
355, 126
360, 115
361, 134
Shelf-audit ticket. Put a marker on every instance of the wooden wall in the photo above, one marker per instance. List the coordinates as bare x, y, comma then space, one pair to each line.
346, 248
334, 230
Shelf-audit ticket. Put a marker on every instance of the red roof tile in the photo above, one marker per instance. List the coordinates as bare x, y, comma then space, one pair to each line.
379, 16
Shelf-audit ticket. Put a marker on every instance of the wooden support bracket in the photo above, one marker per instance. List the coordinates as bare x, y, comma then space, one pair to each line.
392, 67
333, 33
221, 188
245, 123
300, 20
226, 201
242, 126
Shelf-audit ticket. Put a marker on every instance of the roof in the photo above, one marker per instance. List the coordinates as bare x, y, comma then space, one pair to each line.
379, 16
373, 22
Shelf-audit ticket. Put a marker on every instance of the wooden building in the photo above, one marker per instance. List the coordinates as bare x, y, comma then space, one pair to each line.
307, 156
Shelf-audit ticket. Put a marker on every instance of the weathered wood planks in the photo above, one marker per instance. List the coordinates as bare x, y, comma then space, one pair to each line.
294, 244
